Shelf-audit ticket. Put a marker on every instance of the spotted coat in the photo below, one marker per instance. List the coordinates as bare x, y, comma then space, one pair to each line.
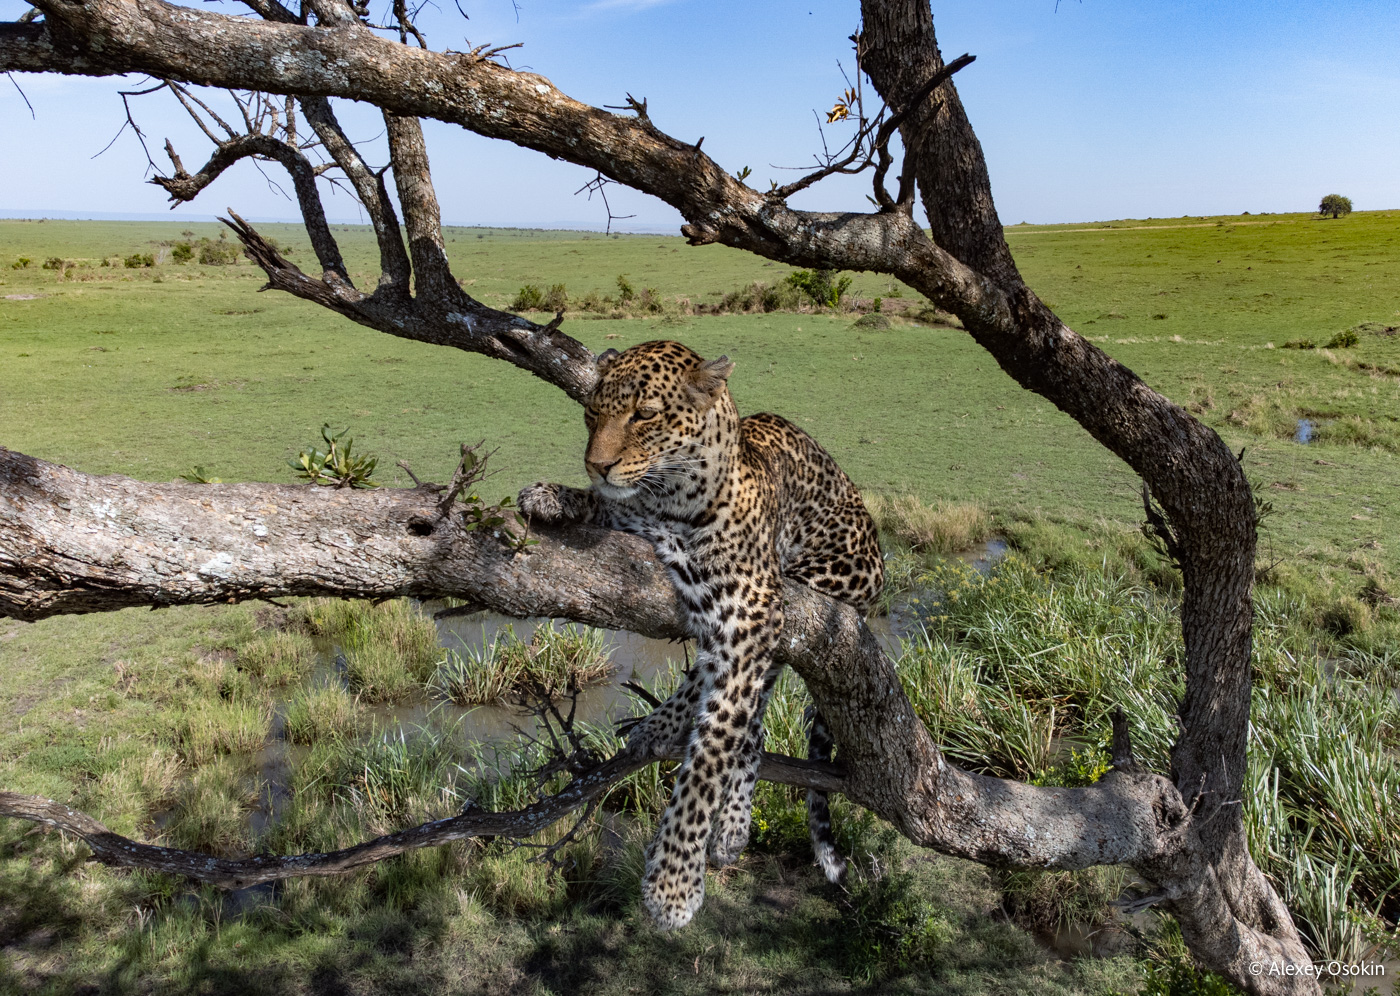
731, 506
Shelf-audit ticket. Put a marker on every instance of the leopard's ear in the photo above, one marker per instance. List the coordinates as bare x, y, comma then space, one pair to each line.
605, 359
709, 378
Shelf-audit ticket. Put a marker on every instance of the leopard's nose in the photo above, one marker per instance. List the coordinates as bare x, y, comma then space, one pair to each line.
601, 469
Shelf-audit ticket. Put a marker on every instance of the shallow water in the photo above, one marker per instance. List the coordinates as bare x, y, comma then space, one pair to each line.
635, 658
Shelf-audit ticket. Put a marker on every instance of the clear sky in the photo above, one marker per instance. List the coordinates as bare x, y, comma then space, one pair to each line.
1098, 109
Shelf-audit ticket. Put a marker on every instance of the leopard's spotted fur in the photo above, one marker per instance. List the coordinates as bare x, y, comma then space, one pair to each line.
731, 506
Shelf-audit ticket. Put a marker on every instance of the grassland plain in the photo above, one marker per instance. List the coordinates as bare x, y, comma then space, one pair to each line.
149, 371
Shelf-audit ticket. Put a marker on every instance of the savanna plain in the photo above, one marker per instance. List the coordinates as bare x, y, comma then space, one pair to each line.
145, 349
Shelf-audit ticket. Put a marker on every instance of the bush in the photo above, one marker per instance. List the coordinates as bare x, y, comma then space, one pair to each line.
625, 291
336, 466
137, 260
759, 296
1344, 340
57, 263
219, 253
1334, 206
22, 263
182, 252
529, 298
1300, 344
822, 286
556, 298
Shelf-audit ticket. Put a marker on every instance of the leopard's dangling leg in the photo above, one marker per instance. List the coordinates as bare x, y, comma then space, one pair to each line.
819, 748
731, 665
667, 727
730, 834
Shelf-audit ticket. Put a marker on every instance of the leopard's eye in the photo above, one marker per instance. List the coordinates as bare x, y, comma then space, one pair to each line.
643, 414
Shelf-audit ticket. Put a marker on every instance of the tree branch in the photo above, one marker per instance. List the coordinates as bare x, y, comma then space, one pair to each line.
239, 873
83, 544
185, 187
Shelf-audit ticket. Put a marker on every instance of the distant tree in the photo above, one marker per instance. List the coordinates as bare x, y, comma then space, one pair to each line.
1334, 206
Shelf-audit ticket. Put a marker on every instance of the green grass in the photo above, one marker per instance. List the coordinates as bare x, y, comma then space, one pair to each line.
321, 712
508, 669
390, 650
152, 721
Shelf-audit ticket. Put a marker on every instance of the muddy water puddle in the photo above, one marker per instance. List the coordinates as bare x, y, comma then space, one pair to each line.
634, 658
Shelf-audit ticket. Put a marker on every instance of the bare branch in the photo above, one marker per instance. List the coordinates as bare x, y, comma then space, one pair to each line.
432, 274
370, 189
184, 187
584, 790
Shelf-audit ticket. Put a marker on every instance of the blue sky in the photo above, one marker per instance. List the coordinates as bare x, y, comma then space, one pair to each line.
1100, 109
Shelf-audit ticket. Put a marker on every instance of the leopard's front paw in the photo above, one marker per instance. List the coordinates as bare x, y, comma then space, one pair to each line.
540, 501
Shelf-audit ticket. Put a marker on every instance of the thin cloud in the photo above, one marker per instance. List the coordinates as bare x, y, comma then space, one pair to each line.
626, 5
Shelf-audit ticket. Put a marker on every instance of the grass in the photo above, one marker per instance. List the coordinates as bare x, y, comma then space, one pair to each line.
322, 712
208, 730
390, 650
942, 527
151, 720
508, 669
278, 658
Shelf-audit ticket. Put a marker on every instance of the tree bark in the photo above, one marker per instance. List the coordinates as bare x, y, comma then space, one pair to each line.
85, 544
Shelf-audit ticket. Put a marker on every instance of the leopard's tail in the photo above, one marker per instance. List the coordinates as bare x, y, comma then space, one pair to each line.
819, 748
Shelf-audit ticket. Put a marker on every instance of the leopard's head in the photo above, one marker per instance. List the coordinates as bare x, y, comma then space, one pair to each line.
658, 409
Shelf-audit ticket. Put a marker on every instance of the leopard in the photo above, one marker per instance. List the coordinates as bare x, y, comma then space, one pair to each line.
732, 506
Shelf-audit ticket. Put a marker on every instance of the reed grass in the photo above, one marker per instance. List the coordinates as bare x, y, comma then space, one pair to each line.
209, 729
278, 658
508, 669
390, 649
942, 527
1016, 674
323, 712
211, 808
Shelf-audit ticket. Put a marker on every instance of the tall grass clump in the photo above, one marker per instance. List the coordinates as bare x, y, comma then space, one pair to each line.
390, 650
209, 729
325, 712
328, 617
211, 809
1017, 672
1322, 806
509, 669
942, 527
397, 778
278, 658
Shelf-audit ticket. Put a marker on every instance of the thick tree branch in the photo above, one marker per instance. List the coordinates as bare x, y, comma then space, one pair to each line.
79, 544
373, 196
432, 274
